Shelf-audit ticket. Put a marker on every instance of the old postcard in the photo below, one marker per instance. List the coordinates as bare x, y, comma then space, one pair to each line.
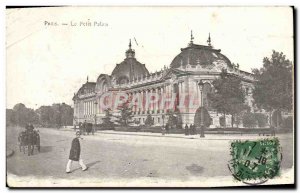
149, 96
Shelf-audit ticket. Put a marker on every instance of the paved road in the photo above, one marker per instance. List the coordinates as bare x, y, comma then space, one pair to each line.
118, 156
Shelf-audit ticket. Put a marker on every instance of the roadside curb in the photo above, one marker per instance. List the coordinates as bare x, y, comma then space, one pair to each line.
141, 134
9, 153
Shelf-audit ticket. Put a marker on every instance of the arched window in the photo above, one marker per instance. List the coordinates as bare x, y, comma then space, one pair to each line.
104, 87
123, 80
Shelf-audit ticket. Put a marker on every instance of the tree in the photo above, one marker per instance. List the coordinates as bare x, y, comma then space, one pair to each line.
262, 119
175, 120
10, 117
222, 121
107, 119
249, 120
45, 115
149, 120
287, 123
125, 117
206, 117
66, 112
56, 119
273, 89
21, 115
228, 96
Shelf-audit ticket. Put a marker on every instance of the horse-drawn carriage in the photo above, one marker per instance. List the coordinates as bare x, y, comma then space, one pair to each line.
86, 128
29, 139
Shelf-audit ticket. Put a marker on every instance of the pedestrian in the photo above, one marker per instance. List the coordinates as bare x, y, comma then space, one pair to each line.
163, 130
167, 128
192, 128
75, 154
186, 129
84, 127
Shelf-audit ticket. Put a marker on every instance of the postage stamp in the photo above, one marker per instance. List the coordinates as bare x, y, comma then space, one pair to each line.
255, 161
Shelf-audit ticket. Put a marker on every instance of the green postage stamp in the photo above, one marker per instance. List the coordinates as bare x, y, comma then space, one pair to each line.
256, 161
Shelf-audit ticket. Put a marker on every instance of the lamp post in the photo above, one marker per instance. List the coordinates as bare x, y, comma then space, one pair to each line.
200, 85
94, 128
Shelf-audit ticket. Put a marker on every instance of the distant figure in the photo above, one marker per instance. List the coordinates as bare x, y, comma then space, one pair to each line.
27, 127
75, 154
163, 130
193, 130
167, 128
84, 127
186, 129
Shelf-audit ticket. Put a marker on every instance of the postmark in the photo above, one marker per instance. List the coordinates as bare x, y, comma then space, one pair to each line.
256, 161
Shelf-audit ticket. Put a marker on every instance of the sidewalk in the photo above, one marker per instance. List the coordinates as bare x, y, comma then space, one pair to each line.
182, 136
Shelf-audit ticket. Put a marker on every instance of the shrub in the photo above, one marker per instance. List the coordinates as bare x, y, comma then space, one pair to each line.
276, 115
207, 118
287, 123
261, 119
222, 121
149, 121
249, 120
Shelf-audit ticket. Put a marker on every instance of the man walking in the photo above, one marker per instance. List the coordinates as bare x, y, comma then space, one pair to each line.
75, 154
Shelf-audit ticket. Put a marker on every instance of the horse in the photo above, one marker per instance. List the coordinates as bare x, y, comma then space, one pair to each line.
89, 128
29, 139
22, 141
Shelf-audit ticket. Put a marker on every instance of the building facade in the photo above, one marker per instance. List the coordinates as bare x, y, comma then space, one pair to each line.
174, 88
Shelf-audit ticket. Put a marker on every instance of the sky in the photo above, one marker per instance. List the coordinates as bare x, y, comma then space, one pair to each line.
47, 64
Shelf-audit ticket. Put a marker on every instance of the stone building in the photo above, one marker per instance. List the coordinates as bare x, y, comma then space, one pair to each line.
180, 79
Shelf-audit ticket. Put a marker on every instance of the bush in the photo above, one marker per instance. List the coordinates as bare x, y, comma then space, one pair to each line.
276, 115
207, 118
249, 120
222, 121
149, 120
287, 123
261, 119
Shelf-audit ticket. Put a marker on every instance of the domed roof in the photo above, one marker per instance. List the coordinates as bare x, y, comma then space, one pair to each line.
129, 68
199, 54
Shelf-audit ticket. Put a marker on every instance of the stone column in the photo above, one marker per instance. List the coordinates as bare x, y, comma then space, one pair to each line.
146, 101
142, 100
156, 98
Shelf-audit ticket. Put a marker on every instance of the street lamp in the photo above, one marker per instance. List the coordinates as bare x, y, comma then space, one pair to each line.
95, 116
201, 85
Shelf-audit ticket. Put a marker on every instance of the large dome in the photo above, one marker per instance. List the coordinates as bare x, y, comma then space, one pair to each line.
199, 54
129, 69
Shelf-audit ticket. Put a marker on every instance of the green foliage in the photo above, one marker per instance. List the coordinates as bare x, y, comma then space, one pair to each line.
262, 119
229, 95
55, 115
274, 87
249, 120
125, 117
149, 120
287, 123
107, 123
276, 118
222, 121
21, 115
197, 119
174, 120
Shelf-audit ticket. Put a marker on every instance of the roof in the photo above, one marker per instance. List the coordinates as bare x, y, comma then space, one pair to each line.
198, 54
130, 67
88, 87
